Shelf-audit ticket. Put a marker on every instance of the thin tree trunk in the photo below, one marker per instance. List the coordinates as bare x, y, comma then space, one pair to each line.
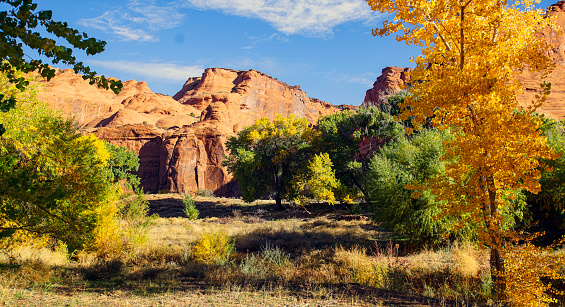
498, 290
497, 269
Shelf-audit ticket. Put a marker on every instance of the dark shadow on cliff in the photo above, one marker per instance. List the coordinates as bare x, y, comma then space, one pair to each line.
149, 165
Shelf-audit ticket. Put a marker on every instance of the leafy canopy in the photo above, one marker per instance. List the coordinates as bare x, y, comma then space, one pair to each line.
53, 179
471, 50
351, 137
316, 180
19, 25
264, 156
19, 28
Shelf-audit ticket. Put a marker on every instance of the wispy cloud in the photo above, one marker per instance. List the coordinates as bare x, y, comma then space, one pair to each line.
366, 79
162, 71
265, 38
137, 21
305, 17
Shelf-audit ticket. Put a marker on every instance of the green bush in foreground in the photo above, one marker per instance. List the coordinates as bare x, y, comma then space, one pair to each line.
189, 207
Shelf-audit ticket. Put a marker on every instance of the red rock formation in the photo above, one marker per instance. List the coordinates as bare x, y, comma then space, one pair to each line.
250, 95
554, 106
391, 80
181, 145
146, 141
95, 107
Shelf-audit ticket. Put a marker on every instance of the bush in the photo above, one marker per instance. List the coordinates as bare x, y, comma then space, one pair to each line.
270, 259
214, 248
204, 192
123, 228
407, 161
189, 207
316, 181
123, 164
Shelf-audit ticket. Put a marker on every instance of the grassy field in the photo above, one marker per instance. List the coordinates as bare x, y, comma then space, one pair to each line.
327, 257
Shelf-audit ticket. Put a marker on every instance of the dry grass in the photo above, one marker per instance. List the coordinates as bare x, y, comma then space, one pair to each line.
288, 258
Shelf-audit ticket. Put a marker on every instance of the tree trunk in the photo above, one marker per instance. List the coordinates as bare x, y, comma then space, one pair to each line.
497, 270
498, 290
278, 202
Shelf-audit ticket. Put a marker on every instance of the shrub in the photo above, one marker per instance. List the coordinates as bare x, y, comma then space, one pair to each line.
214, 247
274, 255
363, 269
402, 162
189, 207
204, 192
123, 164
316, 181
123, 228
269, 260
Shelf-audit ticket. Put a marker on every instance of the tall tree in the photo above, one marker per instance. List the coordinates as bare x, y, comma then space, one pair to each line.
264, 156
18, 28
471, 51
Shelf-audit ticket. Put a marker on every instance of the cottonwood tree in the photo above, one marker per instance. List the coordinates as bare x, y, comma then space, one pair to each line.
264, 156
53, 179
471, 53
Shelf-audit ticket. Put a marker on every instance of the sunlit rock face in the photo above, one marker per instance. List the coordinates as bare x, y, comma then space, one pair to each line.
554, 107
249, 95
181, 140
391, 80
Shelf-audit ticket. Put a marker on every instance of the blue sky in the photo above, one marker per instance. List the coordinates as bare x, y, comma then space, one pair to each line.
325, 46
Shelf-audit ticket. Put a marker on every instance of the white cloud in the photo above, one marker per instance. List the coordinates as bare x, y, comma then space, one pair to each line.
306, 17
138, 21
163, 71
366, 79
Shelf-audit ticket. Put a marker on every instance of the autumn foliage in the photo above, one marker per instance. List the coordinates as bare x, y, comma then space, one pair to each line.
471, 51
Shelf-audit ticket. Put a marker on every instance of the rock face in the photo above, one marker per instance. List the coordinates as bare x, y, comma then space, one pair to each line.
181, 140
554, 106
249, 95
95, 107
391, 80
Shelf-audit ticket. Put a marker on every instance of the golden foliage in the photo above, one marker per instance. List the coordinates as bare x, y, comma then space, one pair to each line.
471, 51
317, 181
530, 270
214, 247
465, 77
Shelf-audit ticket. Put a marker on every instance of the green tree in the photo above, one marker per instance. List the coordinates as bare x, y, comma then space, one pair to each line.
264, 156
549, 204
408, 160
123, 164
19, 27
53, 179
352, 137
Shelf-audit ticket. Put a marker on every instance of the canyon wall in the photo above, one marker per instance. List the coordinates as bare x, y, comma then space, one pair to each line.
181, 140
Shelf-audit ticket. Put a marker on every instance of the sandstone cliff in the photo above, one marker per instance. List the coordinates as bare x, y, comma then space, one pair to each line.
249, 95
391, 80
180, 140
